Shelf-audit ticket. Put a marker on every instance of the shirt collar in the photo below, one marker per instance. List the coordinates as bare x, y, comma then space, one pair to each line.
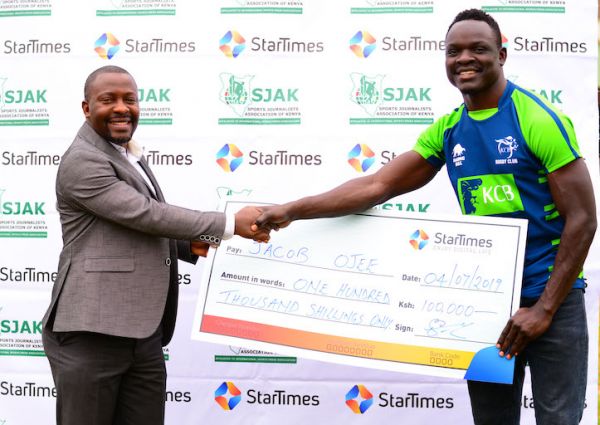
129, 149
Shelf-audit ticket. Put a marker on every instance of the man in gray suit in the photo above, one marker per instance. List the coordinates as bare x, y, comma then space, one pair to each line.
114, 301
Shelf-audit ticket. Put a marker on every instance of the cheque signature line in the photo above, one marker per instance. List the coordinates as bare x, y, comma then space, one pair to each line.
309, 266
365, 325
456, 339
304, 292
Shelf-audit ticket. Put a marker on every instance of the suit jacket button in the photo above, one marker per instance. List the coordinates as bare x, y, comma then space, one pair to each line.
168, 261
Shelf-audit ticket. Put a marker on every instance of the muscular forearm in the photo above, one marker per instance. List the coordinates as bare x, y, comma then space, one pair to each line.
573, 196
407, 172
351, 197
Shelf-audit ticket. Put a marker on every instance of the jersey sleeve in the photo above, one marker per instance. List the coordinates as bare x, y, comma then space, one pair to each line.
430, 144
548, 132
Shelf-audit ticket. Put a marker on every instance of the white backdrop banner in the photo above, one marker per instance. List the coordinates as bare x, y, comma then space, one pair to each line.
268, 99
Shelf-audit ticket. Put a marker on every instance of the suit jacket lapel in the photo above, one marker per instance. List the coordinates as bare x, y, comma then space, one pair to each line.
146, 168
87, 133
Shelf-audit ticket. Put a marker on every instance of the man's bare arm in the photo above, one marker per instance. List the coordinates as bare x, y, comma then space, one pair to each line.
573, 196
403, 174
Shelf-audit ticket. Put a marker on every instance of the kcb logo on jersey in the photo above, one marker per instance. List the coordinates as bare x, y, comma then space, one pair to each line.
489, 194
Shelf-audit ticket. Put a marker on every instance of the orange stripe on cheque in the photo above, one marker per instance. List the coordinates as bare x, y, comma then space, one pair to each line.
452, 359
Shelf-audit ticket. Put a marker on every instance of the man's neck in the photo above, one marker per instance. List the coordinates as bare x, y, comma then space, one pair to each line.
485, 100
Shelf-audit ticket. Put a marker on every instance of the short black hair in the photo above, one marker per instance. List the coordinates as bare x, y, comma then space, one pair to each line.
479, 15
102, 70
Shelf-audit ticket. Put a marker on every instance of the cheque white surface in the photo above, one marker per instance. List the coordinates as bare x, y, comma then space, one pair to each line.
412, 293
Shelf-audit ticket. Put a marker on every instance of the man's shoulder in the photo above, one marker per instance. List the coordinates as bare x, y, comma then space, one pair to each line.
82, 152
531, 106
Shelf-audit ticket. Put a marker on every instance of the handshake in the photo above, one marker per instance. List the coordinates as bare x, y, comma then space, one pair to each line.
252, 223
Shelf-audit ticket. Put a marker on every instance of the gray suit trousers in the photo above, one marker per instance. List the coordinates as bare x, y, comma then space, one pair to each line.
107, 380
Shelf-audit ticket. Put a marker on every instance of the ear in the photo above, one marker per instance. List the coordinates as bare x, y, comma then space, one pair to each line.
502, 55
85, 106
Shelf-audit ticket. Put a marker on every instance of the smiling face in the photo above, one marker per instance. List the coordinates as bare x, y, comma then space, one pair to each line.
474, 63
112, 107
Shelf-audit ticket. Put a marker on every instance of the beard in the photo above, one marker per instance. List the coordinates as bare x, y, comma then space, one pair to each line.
119, 140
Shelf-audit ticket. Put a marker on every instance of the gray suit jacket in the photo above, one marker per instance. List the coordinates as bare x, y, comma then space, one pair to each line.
117, 272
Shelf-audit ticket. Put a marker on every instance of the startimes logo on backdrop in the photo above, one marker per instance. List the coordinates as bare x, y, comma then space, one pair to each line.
362, 44
108, 45
228, 395
230, 157
359, 399
361, 157
232, 44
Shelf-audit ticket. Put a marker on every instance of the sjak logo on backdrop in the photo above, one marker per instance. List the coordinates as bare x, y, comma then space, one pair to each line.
385, 103
22, 218
233, 43
23, 106
359, 399
526, 6
108, 45
271, 7
230, 157
138, 8
366, 7
20, 337
258, 105
155, 106
28, 327
24, 208
228, 396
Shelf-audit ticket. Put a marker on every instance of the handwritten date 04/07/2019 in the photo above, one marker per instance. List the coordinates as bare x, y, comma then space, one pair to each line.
459, 279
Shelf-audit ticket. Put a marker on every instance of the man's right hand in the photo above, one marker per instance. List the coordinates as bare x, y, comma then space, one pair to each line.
272, 218
245, 227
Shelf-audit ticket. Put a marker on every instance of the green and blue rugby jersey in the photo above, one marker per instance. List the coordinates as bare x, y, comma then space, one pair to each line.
498, 161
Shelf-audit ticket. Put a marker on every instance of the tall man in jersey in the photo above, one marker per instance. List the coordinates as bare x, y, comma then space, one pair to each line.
545, 181
114, 300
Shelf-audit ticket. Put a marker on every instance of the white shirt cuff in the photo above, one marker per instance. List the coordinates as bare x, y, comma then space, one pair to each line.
229, 225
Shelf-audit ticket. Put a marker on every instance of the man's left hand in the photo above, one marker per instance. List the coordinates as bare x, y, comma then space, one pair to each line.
200, 248
527, 324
